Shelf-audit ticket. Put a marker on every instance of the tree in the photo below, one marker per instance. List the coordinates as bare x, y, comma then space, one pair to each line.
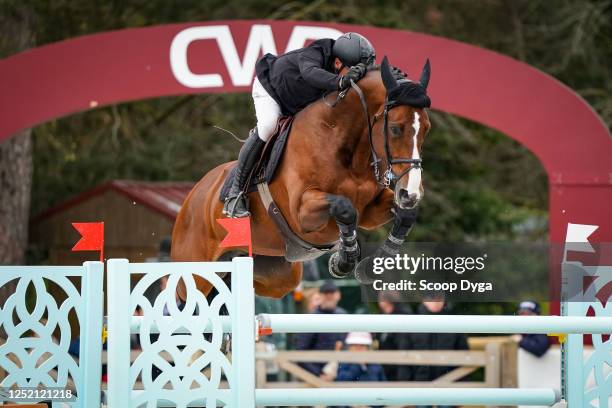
15, 153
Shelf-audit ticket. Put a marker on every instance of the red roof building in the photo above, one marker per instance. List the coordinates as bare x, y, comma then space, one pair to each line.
137, 216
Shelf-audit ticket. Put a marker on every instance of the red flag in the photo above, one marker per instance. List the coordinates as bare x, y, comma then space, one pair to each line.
92, 237
238, 232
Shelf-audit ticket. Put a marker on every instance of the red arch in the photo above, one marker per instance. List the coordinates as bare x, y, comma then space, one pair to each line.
518, 100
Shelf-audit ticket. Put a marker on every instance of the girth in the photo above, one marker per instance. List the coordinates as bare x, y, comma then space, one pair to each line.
296, 249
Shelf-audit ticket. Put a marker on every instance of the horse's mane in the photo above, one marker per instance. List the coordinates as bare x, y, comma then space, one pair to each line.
398, 74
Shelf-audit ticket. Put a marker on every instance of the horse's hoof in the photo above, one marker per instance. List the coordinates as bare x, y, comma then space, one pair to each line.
334, 267
363, 271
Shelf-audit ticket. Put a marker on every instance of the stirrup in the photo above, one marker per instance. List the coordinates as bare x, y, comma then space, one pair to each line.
231, 212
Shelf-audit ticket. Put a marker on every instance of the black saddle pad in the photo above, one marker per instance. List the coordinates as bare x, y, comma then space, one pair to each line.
265, 169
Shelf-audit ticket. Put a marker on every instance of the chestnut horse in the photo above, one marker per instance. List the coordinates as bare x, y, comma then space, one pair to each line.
328, 182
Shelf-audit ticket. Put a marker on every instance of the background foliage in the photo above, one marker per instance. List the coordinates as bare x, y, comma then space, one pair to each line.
479, 183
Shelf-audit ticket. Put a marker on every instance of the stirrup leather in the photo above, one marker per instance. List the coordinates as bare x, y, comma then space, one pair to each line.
229, 207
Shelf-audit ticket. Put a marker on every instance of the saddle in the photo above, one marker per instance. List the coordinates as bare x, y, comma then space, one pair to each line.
296, 249
266, 166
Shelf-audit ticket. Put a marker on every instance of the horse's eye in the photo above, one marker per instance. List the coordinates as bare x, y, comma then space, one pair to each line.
395, 130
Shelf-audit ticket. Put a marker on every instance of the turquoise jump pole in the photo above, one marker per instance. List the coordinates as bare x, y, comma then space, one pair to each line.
403, 396
303, 323
336, 323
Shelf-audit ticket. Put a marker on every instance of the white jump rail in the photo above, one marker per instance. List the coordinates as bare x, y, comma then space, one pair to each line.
321, 323
245, 329
301, 323
406, 396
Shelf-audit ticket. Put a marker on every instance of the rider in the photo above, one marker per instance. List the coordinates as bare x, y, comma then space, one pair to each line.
288, 83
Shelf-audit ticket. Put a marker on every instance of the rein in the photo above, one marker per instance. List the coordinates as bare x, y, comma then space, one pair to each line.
375, 159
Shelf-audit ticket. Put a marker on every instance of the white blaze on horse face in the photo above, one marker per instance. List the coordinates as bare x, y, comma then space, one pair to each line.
414, 175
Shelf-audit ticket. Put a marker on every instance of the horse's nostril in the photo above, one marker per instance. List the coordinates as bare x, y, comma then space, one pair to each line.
408, 199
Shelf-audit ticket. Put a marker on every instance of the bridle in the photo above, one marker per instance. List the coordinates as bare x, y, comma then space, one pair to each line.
389, 177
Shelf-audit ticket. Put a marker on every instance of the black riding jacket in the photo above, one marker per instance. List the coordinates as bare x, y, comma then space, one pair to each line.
299, 77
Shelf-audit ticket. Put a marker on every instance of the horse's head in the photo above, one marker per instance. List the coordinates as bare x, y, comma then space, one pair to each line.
404, 125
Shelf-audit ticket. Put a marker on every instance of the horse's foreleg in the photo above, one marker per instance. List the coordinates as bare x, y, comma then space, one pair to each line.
381, 211
403, 220
344, 261
314, 211
377, 213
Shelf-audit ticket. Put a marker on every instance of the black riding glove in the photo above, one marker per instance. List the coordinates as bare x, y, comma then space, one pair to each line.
356, 72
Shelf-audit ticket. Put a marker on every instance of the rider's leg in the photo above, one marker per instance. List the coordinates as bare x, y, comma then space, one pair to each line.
268, 112
235, 204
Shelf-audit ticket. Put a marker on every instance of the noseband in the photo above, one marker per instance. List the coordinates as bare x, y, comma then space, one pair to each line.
389, 176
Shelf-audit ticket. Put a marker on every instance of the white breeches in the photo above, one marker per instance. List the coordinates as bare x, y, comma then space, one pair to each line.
266, 110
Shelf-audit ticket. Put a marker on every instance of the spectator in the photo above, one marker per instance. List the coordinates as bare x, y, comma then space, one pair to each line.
433, 304
330, 296
389, 302
359, 342
312, 300
536, 344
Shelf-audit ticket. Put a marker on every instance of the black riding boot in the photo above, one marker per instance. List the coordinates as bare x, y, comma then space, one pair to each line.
236, 203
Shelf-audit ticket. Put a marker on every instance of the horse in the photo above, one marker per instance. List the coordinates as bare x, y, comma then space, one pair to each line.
328, 183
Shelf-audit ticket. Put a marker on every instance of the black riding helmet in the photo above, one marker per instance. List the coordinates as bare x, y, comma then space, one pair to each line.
353, 48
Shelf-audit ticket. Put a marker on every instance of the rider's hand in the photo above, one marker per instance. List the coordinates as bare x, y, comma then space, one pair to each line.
355, 73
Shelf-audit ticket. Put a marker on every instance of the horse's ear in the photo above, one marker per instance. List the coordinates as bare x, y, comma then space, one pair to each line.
387, 75
425, 74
